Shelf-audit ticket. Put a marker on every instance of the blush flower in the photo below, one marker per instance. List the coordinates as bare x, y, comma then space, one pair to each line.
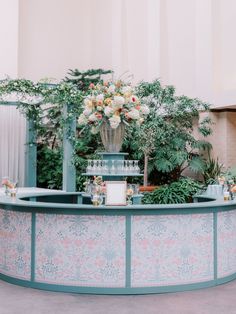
87, 112
111, 89
92, 117
108, 111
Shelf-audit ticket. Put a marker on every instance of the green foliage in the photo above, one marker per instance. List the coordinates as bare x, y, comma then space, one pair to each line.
167, 136
85, 148
49, 167
212, 170
43, 104
83, 79
177, 192
230, 175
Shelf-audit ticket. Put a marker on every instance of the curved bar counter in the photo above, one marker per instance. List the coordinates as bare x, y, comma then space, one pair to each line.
55, 243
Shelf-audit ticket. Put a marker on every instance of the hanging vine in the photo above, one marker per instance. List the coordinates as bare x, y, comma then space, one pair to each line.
42, 103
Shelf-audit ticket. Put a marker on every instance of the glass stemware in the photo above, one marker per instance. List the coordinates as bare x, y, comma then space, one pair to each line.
136, 167
89, 166
113, 169
129, 194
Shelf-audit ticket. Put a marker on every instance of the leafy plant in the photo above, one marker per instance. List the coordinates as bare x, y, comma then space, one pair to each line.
177, 192
83, 79
49, 167
43, 104
212, 170
172, 145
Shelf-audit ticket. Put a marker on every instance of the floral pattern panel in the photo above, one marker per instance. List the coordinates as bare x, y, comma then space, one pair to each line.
80, 250
226, 243
15, 244
171, 249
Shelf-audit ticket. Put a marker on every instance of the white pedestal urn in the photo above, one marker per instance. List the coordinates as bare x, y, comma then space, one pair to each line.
112, 139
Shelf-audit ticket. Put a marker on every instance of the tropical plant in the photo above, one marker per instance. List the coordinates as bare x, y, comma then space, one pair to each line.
171, 146
177, 192
212, 169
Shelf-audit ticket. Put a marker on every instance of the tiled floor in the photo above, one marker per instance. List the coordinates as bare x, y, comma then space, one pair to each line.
19, 300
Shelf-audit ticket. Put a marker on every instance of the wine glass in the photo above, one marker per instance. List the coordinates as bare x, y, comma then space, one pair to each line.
136, 167
89, 166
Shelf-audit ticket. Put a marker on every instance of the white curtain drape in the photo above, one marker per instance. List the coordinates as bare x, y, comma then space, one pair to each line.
125, 37
12, 143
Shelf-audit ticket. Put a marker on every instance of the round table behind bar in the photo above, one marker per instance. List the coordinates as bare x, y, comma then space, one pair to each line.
54, 242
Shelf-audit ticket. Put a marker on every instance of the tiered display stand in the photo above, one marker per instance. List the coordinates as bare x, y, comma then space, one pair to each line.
111, 173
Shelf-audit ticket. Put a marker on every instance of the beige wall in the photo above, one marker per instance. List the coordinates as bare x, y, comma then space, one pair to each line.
187, 43
54, 36
223, 138
9, 38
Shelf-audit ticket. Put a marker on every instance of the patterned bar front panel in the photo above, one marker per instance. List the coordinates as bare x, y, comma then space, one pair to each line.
80, 250
226, 243
171, 249
15, 244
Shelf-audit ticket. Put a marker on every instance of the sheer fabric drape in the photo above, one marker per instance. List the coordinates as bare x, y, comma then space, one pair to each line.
12, 143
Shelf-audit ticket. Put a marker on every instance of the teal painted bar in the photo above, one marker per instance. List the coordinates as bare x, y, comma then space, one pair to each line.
69, 171
35, 205
112, 291
30, 155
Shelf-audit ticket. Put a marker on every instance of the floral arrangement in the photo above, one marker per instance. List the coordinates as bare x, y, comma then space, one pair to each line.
99, 185
7, 183
95, 186
10, 187
112, 102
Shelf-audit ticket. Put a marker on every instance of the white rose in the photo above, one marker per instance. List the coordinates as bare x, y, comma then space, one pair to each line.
88, 102
108, 111
115, 106
82, 120
126, 89
145, 110
100, 97
92, 117
119, 100
87, 112
111, 89
133, 114
114, 121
